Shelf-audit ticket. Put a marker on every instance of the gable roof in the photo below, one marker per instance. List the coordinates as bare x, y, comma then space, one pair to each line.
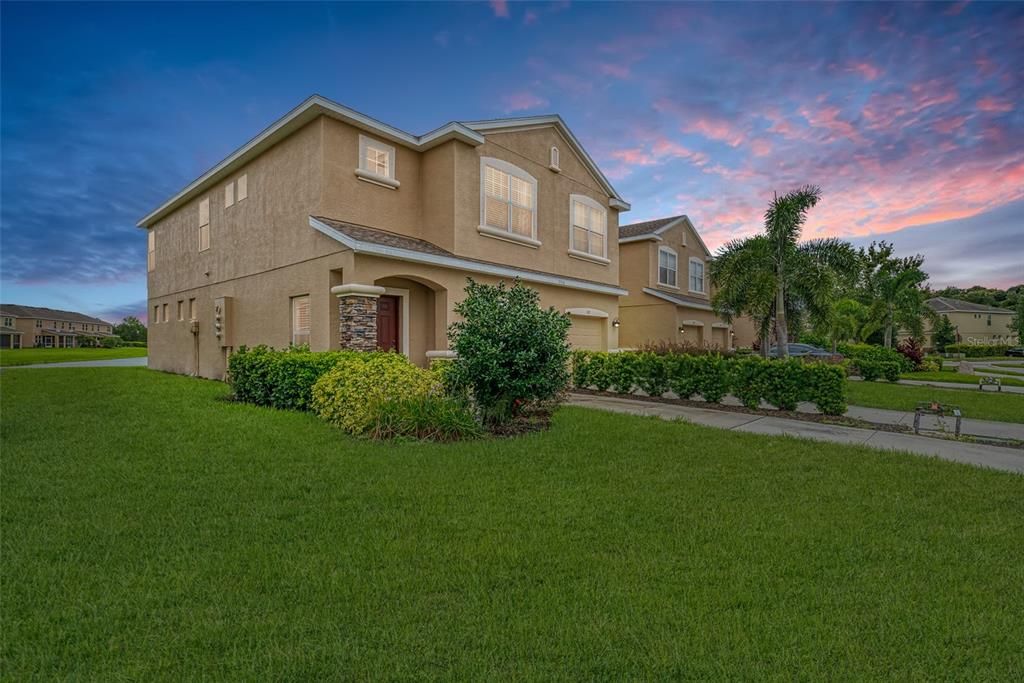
652, 230
941, 304
19, 311
362, 239
316, 105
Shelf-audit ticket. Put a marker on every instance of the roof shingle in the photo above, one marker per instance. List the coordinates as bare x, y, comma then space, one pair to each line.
647, 227
941, 304
19, 311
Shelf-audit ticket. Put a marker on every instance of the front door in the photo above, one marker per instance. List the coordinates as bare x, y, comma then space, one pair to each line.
388, 323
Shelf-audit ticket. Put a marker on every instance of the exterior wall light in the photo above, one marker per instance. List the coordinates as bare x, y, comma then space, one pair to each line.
615, 323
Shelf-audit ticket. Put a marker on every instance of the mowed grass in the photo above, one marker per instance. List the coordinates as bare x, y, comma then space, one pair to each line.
11, 357
960, 378
161, 532
976, 404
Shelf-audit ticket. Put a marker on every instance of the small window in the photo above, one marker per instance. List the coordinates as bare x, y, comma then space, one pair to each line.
204, 212
39, 323
554, 160
151, 260
8, 322
242, 187
300, 320
165, 313
229, 195
696, 275
589, 227
192, 309
990, 320
204, 237
181, 309
509, 199
156, 314
376, 162
668, 267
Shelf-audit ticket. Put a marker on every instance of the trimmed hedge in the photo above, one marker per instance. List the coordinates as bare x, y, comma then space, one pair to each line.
782, 383
978, 350
878, 354
871, 370
279, 379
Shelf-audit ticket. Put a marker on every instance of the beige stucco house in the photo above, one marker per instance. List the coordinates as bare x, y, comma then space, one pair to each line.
975, 323
663, 265
334, 229
28, 326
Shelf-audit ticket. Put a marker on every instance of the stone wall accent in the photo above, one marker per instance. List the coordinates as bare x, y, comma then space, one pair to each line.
357, 314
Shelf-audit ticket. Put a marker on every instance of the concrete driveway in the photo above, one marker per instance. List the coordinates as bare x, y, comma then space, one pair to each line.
113, 363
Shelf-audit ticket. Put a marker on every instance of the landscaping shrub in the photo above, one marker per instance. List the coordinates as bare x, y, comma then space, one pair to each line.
930, 364
134, 344
663, 348
682, 374
511, 353
871, 352
350, 393
279, 379
872, 370
746, 381
622, 371
651, 373
978, 350
429, 417
110, 342
249, 374
912, 351
825, 386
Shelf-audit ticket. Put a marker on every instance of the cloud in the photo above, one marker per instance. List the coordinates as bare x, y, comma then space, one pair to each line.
500, 8
868, 71
993, 105
522, 101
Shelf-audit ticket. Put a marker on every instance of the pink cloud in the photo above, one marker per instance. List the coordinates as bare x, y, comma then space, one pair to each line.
828, 119
951, 124
522, 100
614, 70
715, 129
868, 71
992, 105
500, 8
760, 148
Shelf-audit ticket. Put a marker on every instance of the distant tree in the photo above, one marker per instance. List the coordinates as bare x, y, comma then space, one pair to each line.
894, 289
1017, 323
131, 329
943, 334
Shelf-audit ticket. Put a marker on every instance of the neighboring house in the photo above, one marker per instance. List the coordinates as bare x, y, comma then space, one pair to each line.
25, 326
336, 230
974, 323
663, 264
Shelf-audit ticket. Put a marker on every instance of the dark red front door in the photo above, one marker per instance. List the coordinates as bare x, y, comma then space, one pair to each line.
387, 323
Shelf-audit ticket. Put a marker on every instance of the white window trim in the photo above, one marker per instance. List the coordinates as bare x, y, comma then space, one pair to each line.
585, 255
555, 158
291, 312
703, 276
672, 251
499, 233
364, 173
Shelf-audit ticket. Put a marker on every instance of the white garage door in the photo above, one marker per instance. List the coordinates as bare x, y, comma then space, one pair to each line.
587, 333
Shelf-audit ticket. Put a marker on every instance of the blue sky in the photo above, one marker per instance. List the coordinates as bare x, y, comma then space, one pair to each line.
908, 115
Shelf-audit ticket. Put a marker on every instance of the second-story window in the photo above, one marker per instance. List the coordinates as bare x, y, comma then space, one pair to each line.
696, 275
151, 255
668, 267
589, 227
204, 225
509, 200
376, 162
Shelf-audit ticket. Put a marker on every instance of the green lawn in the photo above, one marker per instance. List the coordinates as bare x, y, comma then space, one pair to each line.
10, 357
987, 405
961, 378
160, 532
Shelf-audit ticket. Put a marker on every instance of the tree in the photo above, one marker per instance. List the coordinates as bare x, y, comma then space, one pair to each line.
894, 288
131, 329
847, 320
772, 277
943, 334
1017, 323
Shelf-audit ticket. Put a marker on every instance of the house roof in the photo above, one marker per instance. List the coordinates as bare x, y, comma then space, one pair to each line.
8, 330
316, 105
18, 311
373, 241
679, 299
652, 230
941, 304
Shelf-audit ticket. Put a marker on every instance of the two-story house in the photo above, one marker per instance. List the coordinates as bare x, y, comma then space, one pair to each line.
27, 326
663, 265
974, 323
336, 230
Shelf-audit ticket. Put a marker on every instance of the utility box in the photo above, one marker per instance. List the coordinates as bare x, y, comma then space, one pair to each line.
223, 319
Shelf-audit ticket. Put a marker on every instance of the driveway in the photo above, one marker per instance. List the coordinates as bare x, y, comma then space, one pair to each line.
113, 363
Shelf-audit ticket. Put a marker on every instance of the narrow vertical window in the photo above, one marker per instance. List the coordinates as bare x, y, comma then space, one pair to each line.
696, 276
165, 313
300, 320
242, 187
229, 194
668, 267
192, 309
181, 309
204, 224
151, 251
156, 314
554, 160
589, 227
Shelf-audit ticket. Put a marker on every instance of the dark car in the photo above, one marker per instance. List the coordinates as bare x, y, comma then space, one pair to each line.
804, 350
1016, 351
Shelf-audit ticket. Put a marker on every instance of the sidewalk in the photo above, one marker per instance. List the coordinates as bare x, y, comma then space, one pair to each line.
960, 385
110, 363
1006, 459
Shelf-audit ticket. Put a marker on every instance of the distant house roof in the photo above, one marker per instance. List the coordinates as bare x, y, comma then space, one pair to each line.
469, 132
18, 311
651, 230
363, 239
941, 304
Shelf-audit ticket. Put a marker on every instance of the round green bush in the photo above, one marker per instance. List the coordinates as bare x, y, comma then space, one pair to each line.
349, 394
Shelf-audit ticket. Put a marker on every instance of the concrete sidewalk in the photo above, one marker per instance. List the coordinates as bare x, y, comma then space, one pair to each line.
110, 363
1006, 459
960, 385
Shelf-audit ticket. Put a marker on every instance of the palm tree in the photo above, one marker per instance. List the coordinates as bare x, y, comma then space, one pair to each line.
771, 276
895, 289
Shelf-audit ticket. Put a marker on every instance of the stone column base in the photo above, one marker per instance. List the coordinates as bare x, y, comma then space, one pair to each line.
357, 313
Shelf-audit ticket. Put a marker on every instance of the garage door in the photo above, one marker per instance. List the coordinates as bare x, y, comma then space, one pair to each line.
587, 333
720, 338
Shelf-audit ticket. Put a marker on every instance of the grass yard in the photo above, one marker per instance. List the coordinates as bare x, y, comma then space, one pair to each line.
979, 405
960, 378
164, 533
9, 357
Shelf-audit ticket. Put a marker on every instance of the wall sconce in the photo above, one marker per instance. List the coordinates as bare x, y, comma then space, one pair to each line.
615, 323
682, 329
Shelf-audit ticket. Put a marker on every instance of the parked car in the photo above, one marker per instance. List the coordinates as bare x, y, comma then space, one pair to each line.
1016, 351
801, 350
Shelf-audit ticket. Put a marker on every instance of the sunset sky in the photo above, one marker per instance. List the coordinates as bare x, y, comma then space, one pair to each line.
909, 116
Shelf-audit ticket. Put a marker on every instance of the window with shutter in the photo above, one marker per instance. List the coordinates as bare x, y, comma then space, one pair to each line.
204, 238
589, 227
509, 199
242, 187
300, 320
668, 267
229, 195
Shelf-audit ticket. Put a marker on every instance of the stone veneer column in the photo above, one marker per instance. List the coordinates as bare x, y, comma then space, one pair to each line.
357, 309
